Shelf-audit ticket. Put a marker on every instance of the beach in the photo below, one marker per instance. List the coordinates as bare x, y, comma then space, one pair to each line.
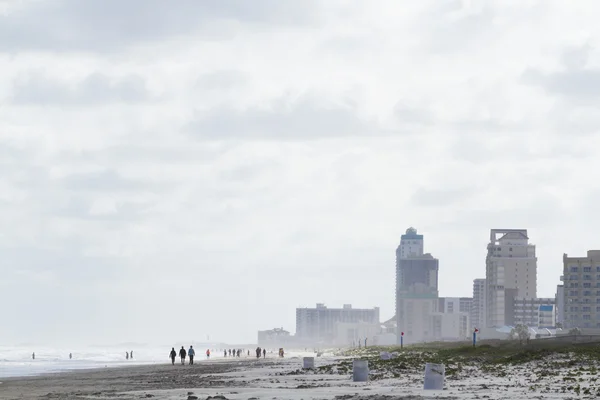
470, 374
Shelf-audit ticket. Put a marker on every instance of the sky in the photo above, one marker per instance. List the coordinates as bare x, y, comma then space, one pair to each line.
193, 169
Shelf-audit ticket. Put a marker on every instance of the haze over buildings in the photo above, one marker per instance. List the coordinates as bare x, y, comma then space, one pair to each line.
222, 164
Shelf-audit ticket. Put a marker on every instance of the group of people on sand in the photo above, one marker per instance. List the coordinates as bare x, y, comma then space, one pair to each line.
233, 352
128, 355
260, 351
191, 353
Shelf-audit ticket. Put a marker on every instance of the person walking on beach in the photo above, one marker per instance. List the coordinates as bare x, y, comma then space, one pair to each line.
225, 353
127, 355
264, 353
207, 354
70, 356
173, 354
258, 352
131, 355
191, 353
182, 354
248, 353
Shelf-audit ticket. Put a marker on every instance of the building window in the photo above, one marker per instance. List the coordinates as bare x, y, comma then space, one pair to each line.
587, 293
587, 317
598, 269
510, 249
587, 269
573, 293
574, 269
587, 285
586, 309
587, 277
574, 309
574, 284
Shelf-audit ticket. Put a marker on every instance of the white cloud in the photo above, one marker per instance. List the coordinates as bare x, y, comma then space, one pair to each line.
155, 163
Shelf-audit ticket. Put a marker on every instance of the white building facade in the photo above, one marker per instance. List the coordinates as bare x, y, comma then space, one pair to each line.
581, 293
318, 325
511, 271
478, 308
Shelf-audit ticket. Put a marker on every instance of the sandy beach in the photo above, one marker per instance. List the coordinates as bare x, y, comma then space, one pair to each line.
480, 374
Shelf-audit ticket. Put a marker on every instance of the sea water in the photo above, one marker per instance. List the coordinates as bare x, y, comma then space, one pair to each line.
17, 360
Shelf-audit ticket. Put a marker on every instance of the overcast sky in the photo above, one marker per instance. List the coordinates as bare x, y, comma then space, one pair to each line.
178, 169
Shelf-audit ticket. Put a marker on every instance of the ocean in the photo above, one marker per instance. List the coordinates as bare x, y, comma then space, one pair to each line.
17, 361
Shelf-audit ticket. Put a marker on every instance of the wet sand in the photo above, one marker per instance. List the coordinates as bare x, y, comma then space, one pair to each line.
116, 382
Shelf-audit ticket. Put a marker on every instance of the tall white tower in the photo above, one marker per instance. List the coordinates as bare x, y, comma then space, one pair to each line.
511, 271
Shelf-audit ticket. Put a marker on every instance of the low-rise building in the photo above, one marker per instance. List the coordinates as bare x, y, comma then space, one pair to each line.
277, 337
317, 325
532, 312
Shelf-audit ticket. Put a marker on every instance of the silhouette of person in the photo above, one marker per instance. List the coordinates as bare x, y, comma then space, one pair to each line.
191, 353
182, 354
173, 354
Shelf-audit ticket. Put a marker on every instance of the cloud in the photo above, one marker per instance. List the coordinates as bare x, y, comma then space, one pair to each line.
577, 85
299, 119
112, 25
95, 89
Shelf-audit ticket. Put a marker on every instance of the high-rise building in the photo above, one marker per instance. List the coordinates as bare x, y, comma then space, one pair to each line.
560, 305
581, 276
416, 288
411, 244
478, 308
317, 325
511, 271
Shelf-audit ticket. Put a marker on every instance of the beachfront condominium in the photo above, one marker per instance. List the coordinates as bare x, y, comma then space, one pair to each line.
318, 325
511, 272
416, 288
581, 276
478, 308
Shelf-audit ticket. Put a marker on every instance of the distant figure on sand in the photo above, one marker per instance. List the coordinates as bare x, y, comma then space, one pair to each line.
225, 353
264, 353
182, 354
258, 352
33, 356
70, 356
126, 355
248, 353
238, 353
207, 354
191, 353
173, 354
131, 354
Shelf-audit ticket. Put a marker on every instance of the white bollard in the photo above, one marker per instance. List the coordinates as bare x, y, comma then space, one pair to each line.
308, 362
434, 377
360, 370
